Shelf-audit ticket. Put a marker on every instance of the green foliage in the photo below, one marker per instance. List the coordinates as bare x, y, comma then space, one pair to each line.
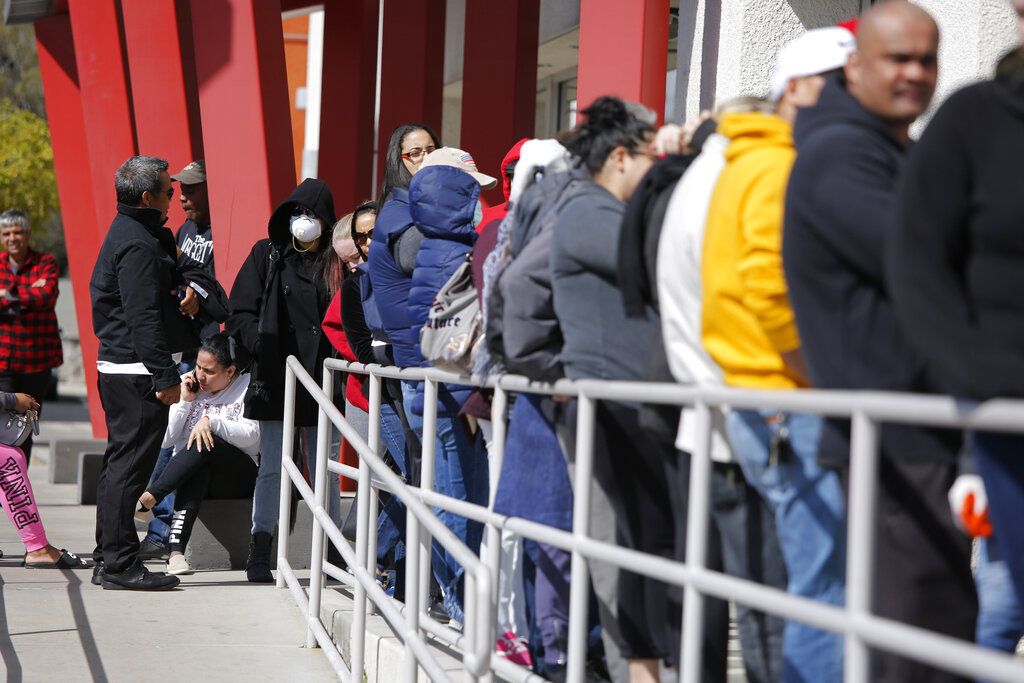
27, 179
19, 69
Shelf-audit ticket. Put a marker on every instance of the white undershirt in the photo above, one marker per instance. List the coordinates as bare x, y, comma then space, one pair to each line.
108, 368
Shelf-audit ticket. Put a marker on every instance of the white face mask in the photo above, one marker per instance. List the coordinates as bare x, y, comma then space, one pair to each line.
304, 228
478, 214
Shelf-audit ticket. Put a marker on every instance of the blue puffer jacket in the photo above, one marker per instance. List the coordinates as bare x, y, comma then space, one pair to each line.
442, 202
390, 284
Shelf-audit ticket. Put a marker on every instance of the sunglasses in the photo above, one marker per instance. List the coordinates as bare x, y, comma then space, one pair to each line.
362, 237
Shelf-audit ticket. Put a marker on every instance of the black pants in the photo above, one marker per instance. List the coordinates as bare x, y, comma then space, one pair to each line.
224, 473
35, 384
922, 566
136, 421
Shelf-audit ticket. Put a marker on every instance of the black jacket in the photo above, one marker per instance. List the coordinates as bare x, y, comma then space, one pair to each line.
278, 303
957, 257
840, 210
134, 312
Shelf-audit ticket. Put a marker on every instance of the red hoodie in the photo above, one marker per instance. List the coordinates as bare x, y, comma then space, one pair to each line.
498, 211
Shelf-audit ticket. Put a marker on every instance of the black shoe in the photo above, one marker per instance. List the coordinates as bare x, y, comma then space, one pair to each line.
138, 578
153, 551
257, 567
437, 612
97, 574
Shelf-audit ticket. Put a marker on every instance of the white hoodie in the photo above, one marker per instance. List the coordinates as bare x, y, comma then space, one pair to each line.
225, 410
679, 289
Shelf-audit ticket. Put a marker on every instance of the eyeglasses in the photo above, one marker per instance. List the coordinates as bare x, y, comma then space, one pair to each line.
416, 153
362, 237
170, 193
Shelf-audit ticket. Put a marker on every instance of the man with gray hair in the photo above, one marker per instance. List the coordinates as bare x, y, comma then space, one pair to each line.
29, 338
134, 304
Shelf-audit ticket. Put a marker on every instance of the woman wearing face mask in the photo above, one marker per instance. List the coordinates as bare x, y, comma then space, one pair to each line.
278, 301
215, 446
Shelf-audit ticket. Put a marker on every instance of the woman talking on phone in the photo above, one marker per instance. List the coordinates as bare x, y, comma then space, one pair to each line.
215, 446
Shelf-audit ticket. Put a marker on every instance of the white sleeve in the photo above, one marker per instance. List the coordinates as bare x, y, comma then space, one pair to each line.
175, 423
243, 433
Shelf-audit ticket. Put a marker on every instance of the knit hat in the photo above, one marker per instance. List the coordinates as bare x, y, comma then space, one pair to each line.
815, 52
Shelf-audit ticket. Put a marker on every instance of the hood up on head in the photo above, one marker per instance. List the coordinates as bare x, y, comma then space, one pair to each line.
535, 155
442, 202
512, 155
312, 194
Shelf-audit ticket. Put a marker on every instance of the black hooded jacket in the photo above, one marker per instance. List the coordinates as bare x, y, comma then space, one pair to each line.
278, 303
957, 259
134, 312
840, 211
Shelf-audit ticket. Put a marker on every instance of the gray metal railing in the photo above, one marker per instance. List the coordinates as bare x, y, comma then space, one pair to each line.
412, 623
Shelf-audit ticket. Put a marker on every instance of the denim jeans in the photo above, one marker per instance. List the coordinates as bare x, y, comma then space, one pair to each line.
810, 512
267, 496
160, 526
1000, 609
391, 521
460, 471
1000, 462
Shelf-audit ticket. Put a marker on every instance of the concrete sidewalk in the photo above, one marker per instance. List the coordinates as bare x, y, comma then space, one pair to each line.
217, 626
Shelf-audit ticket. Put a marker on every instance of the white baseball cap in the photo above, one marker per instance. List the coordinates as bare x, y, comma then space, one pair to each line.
462, 160
815, 52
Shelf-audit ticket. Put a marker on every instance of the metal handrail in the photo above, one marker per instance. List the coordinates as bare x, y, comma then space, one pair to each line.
866, 409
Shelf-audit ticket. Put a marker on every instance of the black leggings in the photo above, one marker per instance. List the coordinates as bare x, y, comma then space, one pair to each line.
223, 473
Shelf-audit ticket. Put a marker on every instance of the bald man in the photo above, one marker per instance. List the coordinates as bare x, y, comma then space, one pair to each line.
840, 208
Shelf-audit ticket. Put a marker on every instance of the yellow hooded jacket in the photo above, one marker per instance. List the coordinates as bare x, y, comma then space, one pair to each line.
747, 319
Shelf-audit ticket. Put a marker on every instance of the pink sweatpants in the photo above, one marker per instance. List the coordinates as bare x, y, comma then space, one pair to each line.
17, 499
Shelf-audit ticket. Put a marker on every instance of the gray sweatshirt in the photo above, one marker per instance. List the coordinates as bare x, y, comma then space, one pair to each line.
600, 341
8, 400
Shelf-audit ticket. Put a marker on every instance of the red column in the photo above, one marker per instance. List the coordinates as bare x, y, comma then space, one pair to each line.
71, 161
106, 106
243, 99
412, 69
624, 51
499, 80
347, 100
164, 94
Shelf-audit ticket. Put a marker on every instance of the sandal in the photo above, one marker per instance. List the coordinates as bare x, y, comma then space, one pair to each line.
67, 560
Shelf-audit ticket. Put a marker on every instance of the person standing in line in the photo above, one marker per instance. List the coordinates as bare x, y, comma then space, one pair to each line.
955, 266
278, 303
195, 241
133, 300
840, 213
29, 337
749, 330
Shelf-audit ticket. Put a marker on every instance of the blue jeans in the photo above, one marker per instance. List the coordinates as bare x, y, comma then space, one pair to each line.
1000, 610
391, 521
460, 471
1000, 462
160, 526
266, 499
810, 512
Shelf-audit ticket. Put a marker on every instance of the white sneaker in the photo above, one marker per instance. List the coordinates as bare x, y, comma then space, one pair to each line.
178, 565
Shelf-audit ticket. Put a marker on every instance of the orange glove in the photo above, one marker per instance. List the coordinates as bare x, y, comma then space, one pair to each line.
969, 505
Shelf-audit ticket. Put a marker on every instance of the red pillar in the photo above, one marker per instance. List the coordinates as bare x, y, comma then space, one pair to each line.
624, 51
243, 99
347, 99
59, 73
106, 106
499, 80
412, 68
164, 94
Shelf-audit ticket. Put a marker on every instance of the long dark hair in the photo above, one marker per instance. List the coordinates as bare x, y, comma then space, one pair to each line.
395, 172
609, 123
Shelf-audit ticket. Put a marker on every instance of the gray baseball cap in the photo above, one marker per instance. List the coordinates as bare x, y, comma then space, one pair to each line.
193, 174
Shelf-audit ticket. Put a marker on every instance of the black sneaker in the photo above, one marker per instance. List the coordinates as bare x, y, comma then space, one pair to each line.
153, 551
138, 578
97, 574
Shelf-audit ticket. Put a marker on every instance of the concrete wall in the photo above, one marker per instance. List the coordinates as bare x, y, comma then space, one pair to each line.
731, 45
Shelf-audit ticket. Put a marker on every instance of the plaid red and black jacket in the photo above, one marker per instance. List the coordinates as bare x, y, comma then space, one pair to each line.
29, 337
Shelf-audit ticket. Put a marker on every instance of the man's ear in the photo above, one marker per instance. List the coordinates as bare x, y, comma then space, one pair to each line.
147, 199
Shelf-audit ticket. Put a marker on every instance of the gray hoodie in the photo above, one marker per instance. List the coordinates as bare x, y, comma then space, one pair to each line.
600, 341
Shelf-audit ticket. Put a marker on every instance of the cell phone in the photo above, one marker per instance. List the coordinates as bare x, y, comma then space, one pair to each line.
192, 382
